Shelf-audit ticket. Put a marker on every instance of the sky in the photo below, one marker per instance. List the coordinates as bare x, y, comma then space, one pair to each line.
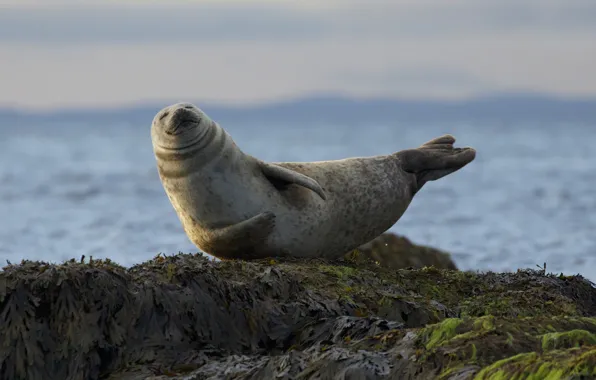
91, 53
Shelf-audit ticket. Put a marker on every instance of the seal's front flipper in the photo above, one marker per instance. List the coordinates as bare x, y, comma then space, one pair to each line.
435, 159
240, 240
278, 174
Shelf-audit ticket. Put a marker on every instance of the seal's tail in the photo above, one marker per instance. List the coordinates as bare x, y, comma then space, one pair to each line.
435, 159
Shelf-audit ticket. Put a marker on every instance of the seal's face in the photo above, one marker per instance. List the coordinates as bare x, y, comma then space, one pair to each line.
179, 126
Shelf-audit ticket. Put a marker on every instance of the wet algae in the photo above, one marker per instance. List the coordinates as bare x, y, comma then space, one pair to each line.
188, 317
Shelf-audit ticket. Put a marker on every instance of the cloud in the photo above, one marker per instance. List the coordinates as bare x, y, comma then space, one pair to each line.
151, 25
135, 22
427, 76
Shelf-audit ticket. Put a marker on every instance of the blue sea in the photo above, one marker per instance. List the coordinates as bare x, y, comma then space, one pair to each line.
86, 188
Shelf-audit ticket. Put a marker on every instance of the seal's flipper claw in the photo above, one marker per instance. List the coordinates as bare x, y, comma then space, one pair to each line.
443, 140
241, 240
278, 173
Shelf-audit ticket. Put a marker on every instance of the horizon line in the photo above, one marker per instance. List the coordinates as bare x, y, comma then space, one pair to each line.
234, 105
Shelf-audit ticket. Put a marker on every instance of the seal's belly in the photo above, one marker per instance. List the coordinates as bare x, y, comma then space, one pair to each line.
336, 229
299, 230
216, 200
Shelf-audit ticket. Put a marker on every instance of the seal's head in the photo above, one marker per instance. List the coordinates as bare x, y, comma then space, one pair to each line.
179, 126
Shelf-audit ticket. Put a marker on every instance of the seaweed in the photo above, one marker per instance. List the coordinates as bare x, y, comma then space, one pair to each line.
186, 316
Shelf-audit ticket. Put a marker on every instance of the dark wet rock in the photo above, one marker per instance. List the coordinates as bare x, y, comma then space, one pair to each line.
187, 317
398, 252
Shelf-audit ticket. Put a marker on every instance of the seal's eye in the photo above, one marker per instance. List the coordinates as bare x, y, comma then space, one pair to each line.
188, 107
163, 115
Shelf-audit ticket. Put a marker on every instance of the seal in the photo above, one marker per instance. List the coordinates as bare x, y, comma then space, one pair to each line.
235, 206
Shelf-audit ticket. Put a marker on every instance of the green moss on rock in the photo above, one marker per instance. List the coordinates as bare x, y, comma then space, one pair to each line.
485, 340
567, 339
439, 333
552, 365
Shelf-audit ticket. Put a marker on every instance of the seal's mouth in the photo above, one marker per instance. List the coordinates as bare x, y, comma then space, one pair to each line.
183, 125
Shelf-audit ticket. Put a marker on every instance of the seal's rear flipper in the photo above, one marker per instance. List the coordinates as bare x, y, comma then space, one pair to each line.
277, 174
240, 240
435, 159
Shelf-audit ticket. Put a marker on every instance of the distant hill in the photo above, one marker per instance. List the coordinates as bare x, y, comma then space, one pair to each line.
341, 110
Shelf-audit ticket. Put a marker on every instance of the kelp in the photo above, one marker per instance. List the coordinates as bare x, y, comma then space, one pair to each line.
189, 317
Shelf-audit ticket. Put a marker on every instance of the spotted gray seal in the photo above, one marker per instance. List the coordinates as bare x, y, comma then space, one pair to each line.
235, 206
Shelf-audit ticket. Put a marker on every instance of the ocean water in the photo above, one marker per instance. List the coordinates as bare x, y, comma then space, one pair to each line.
90, 189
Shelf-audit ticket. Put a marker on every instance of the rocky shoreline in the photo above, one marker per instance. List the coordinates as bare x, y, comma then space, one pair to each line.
189, 317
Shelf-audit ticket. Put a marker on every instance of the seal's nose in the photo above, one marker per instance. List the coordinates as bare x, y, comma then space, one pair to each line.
182, 113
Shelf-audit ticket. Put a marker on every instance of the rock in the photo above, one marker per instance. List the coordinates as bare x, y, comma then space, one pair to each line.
398, 252
188, 317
